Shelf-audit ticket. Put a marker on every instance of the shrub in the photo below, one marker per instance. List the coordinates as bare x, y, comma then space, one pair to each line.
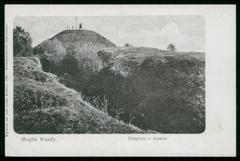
171, 47
30, 67
128, 45
22, 42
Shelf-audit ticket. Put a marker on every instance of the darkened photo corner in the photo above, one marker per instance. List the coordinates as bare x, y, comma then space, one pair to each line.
109, 74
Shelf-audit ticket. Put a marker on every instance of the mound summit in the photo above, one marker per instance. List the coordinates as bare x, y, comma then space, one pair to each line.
82, 43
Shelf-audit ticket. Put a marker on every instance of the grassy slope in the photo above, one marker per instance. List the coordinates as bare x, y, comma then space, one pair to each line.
167, 87
119, 58
44, 105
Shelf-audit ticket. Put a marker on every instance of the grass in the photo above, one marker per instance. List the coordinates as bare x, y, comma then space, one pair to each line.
50, 107
166, 94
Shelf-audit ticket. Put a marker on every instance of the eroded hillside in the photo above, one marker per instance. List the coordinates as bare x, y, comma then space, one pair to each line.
158, 90
43, 105
151, 88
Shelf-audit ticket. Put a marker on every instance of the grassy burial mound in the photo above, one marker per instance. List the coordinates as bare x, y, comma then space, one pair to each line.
43, 105
73, 53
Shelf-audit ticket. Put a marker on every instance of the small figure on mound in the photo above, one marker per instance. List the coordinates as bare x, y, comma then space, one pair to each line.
80, 26
67, 27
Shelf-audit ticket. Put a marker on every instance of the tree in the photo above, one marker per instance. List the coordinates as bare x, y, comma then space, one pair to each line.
128, 45
171, 47
22, 42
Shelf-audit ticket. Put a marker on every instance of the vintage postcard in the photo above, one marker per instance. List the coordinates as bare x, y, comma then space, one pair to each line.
120, 80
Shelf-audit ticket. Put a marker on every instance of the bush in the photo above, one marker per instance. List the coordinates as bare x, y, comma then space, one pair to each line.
171, 47
128, 45
30, 67
22, 42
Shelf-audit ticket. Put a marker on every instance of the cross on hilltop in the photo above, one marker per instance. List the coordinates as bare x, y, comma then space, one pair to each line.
79, 26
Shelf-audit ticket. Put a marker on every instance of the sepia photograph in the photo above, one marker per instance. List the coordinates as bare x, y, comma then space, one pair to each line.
112, 74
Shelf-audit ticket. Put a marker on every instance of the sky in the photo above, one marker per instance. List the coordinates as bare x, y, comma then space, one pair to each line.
186, 32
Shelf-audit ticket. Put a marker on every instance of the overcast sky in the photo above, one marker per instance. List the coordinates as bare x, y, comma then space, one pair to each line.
186, 32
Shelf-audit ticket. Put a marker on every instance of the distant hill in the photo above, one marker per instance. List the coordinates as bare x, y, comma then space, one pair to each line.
122, 58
